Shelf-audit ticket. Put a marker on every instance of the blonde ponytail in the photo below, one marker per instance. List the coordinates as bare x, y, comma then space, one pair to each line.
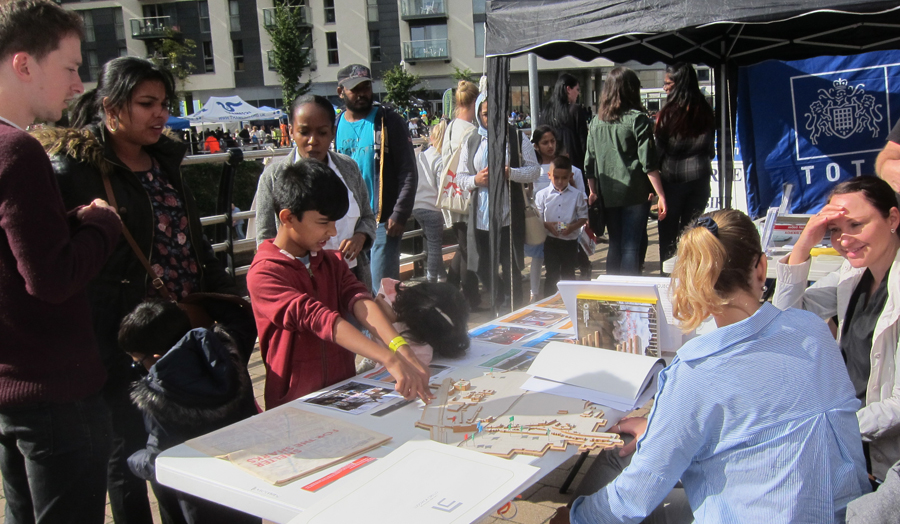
716, 257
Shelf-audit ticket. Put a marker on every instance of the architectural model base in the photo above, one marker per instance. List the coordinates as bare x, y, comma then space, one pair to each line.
494, 415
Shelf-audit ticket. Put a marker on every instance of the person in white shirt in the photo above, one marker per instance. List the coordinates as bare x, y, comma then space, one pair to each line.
425, 211
563, 208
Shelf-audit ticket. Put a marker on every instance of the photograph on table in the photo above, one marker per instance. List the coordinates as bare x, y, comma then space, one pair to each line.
512, 360
503, 335
381, 373
534, 317
354, 397
547, 337
618, 323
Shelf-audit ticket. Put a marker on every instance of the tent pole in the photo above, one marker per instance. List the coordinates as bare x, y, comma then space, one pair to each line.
533, 98
722, 109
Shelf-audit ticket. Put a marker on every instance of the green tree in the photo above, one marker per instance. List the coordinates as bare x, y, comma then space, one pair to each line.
401, 86
177, 54
463, 74
292, 46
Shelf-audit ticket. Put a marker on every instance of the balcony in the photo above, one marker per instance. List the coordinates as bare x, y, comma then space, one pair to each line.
305, 16
426, 50
311, 65
423, 9
150, 28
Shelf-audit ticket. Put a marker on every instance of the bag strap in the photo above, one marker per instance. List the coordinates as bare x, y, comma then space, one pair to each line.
155, 280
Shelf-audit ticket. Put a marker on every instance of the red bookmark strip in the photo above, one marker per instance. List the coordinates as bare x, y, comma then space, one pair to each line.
343, 472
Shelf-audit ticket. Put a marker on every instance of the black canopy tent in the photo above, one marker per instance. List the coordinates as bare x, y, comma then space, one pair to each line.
723, 35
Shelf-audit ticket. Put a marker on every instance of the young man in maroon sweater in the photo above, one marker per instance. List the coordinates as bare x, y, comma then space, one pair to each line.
54, 427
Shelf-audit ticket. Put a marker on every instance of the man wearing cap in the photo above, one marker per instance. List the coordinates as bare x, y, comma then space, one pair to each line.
377, 139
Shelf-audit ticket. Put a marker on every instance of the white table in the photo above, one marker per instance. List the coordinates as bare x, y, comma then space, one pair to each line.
188, 470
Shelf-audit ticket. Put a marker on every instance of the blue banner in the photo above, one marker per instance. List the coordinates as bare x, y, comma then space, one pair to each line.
814, 123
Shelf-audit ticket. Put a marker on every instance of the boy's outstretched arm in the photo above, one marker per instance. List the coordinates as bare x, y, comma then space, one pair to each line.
412, 381
373, 318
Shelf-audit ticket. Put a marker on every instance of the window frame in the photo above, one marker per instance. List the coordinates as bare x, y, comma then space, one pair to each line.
234, 15
330, 50
374, 44
330, 12
239, 67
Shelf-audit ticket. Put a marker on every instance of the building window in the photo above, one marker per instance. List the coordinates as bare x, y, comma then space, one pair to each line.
88, 26
372, 6
478, 7
332, 46
237, 46
428, 32
209, 63
93, 66
703, 74
203, 6
120, 24
375, 46
479, 38
234, 13
329, 12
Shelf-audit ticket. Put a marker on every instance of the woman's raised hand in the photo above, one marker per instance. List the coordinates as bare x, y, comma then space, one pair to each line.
814, 232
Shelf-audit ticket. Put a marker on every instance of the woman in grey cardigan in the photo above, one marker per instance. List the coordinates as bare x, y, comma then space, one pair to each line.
312, 128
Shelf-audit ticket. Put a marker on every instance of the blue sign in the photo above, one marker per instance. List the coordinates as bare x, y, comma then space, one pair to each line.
814, 123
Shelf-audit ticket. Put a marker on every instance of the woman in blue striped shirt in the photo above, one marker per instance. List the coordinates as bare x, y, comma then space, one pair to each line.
756, 418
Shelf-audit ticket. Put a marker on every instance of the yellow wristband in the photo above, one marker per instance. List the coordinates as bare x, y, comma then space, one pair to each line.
396, 343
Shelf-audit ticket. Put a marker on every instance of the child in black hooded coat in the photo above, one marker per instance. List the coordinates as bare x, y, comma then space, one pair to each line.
197, 382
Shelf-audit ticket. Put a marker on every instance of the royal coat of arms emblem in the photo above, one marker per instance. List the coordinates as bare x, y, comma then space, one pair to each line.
843, 111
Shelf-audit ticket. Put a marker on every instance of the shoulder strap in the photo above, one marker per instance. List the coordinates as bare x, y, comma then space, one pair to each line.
157, 282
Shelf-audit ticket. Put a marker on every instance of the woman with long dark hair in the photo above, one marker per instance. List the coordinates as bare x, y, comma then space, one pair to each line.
686, 142
566, 117
119, 140
621, 162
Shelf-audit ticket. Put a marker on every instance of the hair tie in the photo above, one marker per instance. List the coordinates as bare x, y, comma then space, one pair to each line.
446, 316
709, 224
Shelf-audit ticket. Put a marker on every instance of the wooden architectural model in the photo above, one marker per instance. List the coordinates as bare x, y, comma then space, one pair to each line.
495, 415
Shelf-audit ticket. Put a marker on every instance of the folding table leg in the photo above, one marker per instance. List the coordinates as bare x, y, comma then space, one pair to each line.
565, 486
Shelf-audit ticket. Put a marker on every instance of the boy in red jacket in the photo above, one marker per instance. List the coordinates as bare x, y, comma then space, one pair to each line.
300, 293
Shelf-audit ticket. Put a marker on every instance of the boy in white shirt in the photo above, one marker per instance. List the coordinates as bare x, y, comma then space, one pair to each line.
563, 210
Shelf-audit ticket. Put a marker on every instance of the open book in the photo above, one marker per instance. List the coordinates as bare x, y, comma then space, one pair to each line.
622, 381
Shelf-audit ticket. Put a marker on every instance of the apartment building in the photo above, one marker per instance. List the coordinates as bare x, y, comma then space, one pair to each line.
430, 38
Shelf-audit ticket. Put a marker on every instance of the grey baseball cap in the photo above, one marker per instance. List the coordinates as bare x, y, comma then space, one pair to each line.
353, 75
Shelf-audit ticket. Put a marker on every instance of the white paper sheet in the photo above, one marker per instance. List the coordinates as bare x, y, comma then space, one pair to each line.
462, 486
623, 377
567, 390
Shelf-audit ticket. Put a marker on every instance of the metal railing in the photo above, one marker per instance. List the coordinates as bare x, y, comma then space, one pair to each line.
223, 241
426, 50
269, 15
149, 27
410, 9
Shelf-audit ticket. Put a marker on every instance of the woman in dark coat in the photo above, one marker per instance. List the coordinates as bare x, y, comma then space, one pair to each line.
119, 135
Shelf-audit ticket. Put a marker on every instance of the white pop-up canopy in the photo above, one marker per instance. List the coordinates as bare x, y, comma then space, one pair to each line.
219, 109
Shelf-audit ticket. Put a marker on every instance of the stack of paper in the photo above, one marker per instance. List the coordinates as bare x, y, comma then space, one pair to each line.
423, 481
622, 381
287, 443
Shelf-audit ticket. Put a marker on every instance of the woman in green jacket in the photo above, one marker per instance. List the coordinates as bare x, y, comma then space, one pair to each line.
621, 165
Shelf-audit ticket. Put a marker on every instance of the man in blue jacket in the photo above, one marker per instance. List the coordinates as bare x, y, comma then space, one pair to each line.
377, 139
